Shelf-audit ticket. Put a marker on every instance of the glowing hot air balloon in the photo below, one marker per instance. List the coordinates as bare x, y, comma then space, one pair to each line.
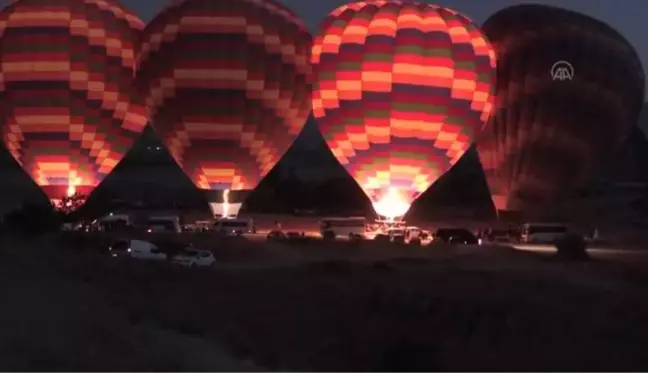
68, 110
228, 84
401, 89
569, 89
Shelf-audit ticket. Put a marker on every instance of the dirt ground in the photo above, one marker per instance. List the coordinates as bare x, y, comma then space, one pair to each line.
314, 307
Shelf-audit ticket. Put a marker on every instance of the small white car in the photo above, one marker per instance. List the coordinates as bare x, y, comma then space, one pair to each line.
194, 258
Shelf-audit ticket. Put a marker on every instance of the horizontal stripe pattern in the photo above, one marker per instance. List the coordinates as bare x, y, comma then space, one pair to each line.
228, 83
401, 89
545, 136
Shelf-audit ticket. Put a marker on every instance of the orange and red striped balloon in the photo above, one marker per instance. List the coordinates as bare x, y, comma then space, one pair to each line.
69, 111
401, 89
229, 87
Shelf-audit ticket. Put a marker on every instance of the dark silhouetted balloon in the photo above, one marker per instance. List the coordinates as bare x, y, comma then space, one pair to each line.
68, 109
569, 89
401, 89
228, 85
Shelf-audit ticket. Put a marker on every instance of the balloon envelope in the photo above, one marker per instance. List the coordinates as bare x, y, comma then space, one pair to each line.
228, 85
569, 89
401, 89
69, 111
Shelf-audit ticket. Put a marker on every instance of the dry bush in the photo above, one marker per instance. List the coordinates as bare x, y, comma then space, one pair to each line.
572, 247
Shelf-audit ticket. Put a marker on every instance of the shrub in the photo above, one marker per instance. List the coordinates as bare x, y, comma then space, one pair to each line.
572, 247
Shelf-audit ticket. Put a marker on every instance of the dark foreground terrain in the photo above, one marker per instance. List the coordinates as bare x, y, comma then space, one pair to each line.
271, 307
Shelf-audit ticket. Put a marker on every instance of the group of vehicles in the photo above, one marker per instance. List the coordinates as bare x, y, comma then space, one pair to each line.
391, 231
398, 232
352, 228
186, 256
126, 222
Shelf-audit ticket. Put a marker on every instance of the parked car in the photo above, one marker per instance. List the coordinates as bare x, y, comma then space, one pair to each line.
414, 232
381, 237
397, 235
456, 236
498, 235
194, 258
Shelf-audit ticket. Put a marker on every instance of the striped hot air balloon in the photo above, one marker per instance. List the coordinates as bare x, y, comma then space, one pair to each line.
228, 85
68, 110
569, 89
401, 89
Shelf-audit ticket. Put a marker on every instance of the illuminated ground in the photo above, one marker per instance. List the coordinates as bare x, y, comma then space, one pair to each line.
320, 307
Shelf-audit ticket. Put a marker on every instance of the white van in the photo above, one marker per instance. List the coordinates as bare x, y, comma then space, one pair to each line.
343, 227
234, 227
194, 258
542, 232
146, 250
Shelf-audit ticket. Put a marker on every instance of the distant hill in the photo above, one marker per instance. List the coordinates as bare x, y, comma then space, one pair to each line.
630, 163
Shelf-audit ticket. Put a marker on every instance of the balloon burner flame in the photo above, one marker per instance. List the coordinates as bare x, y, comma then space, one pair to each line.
392, 204
226, 203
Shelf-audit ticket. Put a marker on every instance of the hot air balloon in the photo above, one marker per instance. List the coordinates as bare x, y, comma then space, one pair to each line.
69, 111
401, 88
569, 89
228, 86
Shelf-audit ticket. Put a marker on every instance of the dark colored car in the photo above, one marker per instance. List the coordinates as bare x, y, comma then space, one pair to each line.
381, 238
457, 236
276, 235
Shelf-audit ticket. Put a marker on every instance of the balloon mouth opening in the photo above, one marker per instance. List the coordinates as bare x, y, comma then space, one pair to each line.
392, 205
225, 204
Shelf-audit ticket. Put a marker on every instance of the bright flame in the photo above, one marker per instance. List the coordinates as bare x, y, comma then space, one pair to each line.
392, 204
226, 203
71, 190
